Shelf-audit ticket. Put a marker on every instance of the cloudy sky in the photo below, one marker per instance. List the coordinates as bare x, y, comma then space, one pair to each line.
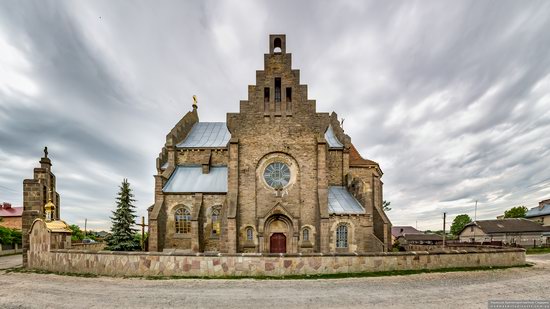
451, 98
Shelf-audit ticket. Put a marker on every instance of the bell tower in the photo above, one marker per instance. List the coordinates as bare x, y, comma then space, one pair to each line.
277, 44
40, 199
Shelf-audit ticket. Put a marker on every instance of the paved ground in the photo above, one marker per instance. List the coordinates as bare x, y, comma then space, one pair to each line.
444, 290
10, 261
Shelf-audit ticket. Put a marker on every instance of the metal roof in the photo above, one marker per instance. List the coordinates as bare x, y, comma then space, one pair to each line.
398, 230
538, 211
332, 141
191, 179
11, 212
340, 201
207, 135
419, 237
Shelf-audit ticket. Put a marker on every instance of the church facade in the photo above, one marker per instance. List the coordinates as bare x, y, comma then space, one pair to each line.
276, 177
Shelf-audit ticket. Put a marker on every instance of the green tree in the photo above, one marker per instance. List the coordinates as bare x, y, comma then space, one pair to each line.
459, 222
9, 236
516, 212
386, 205
91, 235
77, 234
122, 238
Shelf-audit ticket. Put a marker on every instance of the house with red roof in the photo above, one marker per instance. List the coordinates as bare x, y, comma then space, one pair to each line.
11, 216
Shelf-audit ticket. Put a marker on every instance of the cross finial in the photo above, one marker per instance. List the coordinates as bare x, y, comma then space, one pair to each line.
45, 152
195, 102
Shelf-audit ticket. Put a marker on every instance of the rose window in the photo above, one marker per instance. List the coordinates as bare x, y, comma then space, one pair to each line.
277, 175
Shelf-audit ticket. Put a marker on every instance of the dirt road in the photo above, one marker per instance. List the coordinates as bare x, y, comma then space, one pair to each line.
443, 290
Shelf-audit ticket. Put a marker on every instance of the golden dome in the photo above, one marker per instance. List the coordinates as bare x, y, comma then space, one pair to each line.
49, 206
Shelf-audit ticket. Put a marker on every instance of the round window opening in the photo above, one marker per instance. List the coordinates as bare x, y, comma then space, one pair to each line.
277, 175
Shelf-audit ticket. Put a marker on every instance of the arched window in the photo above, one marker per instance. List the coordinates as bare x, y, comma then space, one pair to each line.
342, 236
249, 234
183, 221
215, 222
305, 234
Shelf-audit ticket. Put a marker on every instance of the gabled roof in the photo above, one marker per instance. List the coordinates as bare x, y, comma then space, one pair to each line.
541, 210
340, 201
332, 140
190, 179
11, 212
509, 225
207, 135
355, 158
398, 230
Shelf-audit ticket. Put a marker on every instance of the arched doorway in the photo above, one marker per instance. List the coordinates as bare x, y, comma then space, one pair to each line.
278, 232
277, 243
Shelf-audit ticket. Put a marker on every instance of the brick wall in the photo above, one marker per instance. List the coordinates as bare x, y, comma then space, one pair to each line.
12, 222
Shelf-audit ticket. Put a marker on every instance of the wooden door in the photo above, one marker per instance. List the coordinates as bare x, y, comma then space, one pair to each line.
277, 243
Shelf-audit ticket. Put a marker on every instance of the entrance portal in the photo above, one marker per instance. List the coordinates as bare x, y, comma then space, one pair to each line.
277, 243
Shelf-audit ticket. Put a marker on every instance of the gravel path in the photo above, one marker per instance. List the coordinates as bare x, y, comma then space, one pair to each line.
443, 290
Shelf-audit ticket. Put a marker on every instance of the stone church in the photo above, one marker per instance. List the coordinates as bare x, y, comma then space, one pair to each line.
276, 177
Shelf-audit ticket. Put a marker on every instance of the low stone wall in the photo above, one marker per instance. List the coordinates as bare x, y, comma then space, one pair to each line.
215, 265
97, 246
12, 249
435, 248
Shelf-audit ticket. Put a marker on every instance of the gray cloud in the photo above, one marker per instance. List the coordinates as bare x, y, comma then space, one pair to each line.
450, 98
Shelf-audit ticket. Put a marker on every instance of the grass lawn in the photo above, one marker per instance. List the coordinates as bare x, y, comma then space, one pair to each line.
538, 250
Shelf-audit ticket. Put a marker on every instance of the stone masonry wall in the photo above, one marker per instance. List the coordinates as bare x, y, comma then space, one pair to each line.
166, 264
12, 222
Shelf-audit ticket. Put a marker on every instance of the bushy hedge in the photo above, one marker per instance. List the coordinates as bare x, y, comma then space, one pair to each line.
9, 236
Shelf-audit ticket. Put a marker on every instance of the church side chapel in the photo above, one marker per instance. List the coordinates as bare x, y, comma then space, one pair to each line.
276, 177
42, 227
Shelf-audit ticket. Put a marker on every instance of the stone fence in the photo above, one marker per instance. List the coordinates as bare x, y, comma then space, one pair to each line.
7, 250
96, 246
456, 246
250, 264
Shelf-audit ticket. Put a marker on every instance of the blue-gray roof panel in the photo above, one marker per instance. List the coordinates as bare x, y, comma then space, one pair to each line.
340, 201
538, 211
191, 179
207, 135
331, 138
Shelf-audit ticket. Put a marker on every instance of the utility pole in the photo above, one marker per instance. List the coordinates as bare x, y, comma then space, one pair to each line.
85, 226
475, 219
444, 234
142, 240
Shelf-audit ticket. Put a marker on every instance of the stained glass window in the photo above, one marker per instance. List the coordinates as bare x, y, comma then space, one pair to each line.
342, 236
215, 222
277, 175
183, 221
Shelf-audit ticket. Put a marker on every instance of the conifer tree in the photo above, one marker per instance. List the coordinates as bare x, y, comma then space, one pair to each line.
122, 238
